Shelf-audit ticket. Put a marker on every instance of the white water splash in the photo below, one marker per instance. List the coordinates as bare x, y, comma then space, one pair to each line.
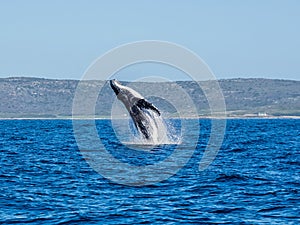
161, 133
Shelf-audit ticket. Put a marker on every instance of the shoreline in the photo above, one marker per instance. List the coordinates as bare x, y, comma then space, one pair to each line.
107, 118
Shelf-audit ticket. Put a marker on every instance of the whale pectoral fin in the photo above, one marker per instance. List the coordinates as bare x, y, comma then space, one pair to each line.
142, 103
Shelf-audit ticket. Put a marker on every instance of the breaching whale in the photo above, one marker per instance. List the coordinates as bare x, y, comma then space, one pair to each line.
138, 108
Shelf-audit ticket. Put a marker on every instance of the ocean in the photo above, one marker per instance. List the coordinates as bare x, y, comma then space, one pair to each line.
254, 179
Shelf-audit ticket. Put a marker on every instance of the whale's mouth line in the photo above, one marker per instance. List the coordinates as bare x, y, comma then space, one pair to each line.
114, 86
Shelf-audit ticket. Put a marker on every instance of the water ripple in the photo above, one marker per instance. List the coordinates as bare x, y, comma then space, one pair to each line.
254, 179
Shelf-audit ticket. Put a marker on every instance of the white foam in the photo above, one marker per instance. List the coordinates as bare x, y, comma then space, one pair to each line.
160, 134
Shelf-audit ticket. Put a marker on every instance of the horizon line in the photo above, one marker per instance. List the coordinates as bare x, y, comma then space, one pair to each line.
126, 80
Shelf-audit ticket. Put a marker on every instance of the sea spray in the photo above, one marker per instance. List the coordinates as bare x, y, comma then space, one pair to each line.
163, 132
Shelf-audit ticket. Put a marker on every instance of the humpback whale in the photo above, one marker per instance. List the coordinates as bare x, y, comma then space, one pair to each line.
138, 108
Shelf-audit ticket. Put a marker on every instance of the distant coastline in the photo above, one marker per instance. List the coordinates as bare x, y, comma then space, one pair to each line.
40, 98
107, 118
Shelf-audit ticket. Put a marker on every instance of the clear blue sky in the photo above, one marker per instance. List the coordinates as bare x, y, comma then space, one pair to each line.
59, 39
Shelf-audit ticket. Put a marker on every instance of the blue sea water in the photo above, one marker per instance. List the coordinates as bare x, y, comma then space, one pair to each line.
255, 178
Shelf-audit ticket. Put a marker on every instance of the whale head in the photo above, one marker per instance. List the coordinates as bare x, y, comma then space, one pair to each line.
115, 85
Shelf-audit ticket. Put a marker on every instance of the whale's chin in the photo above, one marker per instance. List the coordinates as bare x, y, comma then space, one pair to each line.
115, 86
